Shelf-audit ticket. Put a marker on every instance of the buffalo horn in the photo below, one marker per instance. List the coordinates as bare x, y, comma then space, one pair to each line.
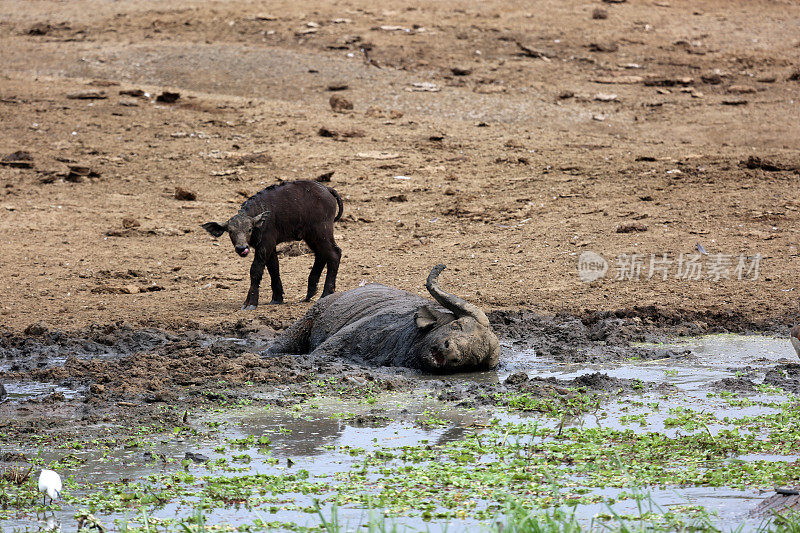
452, 302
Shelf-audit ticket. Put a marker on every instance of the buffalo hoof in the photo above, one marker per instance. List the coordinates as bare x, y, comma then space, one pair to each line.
275, 302
249, 307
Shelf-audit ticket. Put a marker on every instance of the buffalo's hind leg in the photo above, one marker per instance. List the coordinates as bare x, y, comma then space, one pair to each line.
296, 339
326, 254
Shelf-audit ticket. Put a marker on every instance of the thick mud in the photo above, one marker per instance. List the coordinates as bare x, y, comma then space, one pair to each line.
100, 373
571, 338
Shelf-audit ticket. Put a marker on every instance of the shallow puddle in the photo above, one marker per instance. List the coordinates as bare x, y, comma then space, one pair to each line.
31, 390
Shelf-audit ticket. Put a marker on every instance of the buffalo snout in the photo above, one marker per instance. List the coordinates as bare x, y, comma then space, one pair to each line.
242, 250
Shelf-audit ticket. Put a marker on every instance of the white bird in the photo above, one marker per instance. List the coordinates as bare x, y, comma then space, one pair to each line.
49, 485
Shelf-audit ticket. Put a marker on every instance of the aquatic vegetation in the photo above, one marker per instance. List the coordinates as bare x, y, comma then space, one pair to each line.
431, 419
555, 405
512, 461
539, 467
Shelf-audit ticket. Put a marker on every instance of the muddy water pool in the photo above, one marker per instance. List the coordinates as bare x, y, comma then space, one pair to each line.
431, 465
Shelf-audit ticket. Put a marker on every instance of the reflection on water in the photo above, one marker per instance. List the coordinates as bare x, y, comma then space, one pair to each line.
353, 424
31, 390
51, 523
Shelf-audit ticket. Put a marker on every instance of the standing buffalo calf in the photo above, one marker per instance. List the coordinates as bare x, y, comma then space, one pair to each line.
292, 211
379, 325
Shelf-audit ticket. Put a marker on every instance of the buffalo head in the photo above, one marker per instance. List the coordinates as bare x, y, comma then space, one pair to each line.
456, 341
240, 227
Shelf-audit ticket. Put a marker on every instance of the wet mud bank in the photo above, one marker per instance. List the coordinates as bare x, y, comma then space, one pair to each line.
118, 373
782, 376
598, 336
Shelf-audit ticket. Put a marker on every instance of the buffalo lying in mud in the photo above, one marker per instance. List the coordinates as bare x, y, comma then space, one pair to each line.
291, 211
383, 326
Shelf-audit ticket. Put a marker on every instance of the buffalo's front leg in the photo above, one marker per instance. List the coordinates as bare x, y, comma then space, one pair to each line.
256, 272
275, 278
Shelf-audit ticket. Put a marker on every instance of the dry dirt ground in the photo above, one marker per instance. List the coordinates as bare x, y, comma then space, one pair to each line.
536, 131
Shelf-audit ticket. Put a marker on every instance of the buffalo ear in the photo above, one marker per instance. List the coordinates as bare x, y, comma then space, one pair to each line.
215, 229
426, 317
258, 221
